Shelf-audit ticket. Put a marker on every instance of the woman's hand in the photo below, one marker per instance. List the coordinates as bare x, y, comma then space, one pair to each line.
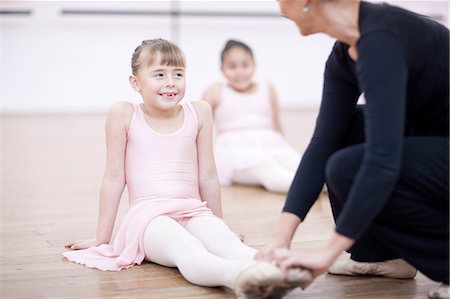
317, 263
267, 253
82, 244
287, 226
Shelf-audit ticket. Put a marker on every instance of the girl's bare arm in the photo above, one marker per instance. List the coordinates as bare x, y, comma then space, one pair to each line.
208, 179
113, 182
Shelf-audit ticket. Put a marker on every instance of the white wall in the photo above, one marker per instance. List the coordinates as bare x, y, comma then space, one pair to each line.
53, 62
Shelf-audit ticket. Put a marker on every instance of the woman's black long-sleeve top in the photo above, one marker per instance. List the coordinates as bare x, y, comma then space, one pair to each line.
403, 71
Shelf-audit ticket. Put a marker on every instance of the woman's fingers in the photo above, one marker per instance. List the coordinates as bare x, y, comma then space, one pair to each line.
265, 255
288, 262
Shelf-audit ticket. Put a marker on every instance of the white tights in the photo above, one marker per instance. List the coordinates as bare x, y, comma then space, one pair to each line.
275, 173
205, 250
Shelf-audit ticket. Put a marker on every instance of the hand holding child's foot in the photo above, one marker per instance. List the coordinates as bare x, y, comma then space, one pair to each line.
257, 280
266, 280
295, 276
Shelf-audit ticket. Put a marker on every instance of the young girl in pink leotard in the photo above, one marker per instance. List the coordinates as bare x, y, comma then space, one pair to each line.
161, 150
249, 144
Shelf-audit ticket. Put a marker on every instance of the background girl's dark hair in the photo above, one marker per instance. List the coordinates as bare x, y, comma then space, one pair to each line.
234, 43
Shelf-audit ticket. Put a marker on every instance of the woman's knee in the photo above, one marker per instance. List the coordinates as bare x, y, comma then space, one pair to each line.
342, 166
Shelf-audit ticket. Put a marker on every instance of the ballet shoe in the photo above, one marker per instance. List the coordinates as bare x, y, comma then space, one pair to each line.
266, 280
442, 292
257, 280
299, 277
295, 276
396, 268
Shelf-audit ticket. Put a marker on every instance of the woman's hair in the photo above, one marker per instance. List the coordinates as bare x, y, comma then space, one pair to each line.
234, 43
147, 52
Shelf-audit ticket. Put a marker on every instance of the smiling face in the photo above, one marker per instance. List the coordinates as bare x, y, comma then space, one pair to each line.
238, 68
158, 74
162, 86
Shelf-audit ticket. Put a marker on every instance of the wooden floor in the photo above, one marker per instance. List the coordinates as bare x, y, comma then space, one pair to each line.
51, 170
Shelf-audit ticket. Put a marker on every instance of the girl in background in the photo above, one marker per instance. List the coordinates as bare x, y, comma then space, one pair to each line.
250, 147
162, 151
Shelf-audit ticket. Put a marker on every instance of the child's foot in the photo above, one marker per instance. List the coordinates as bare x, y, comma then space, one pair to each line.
442, 292
295, 278
265, 280
257, 281
298, 277
397, 268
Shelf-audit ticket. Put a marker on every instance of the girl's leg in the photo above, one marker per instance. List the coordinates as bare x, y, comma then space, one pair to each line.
268, 173
288, 158
261, 279
168, 243
218, 238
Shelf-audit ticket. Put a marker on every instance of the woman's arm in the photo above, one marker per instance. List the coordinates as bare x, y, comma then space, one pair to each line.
113, 182
382, 71
208, 180
287, 225
339, 98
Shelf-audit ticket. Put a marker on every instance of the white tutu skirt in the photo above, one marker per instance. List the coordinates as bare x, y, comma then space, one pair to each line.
237, 150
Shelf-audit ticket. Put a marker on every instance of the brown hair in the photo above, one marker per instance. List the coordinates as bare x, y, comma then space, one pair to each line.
234, 43
170, 54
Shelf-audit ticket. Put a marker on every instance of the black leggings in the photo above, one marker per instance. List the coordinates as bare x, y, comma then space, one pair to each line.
414, 224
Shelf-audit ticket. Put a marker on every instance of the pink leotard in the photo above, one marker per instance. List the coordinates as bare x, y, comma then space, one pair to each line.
238, 111
162, 179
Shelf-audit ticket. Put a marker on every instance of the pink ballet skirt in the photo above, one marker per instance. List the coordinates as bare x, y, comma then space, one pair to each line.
128, 248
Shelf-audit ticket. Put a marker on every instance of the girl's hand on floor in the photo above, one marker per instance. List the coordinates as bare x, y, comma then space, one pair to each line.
82, 244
